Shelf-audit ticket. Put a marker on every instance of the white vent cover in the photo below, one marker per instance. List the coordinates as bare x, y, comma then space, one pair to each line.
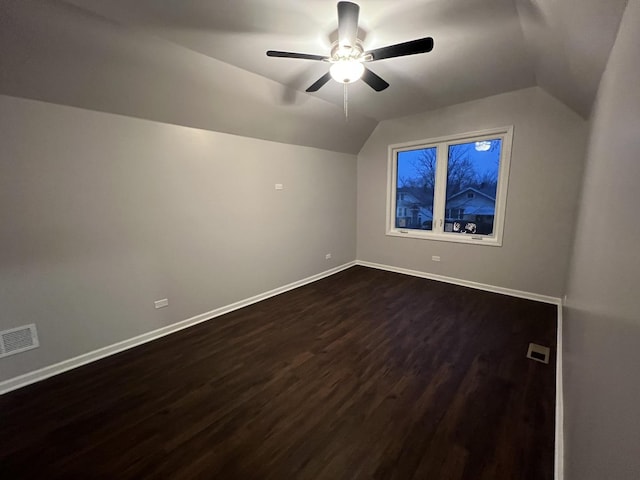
538, 353
19, 339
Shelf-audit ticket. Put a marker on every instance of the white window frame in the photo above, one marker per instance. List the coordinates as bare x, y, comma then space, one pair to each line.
439, 200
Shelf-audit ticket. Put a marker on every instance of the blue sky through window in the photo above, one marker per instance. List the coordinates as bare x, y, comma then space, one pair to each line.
484, 156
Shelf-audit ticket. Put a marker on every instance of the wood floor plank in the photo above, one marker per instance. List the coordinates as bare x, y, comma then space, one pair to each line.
364, 374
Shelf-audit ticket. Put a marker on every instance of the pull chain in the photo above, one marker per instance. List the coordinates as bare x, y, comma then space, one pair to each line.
346, 103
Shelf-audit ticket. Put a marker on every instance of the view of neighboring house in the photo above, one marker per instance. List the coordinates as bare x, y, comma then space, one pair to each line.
472, 205
414, 208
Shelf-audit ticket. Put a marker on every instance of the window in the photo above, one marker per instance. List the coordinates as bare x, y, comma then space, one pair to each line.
450, 189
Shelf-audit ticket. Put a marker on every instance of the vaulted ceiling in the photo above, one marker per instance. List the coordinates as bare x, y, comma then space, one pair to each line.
202, 63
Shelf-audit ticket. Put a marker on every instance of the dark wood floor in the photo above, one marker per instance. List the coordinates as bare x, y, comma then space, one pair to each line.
365, 374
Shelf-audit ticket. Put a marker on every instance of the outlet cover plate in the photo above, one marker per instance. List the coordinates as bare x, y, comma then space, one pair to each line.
161, 303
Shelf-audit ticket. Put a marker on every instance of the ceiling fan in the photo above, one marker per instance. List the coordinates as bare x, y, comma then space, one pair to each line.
348, 55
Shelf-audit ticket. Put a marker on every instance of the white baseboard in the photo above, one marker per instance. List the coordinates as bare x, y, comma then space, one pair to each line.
559, 440
464, 283
66, 365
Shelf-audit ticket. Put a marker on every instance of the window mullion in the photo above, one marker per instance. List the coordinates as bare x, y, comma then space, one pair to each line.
392, 209
440, 189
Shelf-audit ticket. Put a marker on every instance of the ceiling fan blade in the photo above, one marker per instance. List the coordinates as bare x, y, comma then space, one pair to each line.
319, 83
421, 45
373, 80
304, 56
347, 23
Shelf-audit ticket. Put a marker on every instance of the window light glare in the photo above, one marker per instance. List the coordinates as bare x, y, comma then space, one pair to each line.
346, 71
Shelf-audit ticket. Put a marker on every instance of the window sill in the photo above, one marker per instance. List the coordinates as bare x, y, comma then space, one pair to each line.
446, 237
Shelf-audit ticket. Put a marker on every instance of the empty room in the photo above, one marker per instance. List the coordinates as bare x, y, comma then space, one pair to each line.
311, 239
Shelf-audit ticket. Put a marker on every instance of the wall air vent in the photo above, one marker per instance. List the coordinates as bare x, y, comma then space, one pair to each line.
19, 339
538, 353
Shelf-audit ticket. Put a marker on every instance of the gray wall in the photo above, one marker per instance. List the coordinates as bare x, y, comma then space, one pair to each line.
546, 168
102, 214
602, 317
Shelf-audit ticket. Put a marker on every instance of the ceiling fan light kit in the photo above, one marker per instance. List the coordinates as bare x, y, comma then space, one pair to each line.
346, 71
348, 56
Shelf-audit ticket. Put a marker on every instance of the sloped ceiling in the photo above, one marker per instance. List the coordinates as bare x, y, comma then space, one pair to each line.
570, 42
202, 63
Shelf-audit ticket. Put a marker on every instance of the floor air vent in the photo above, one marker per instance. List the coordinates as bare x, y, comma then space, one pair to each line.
19, 339
538, 353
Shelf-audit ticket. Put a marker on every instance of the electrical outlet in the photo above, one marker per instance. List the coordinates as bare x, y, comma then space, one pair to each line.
279, 186
327, 256
161, 303
435, 258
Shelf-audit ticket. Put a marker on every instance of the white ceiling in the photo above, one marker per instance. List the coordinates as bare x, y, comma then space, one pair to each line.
482, 48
